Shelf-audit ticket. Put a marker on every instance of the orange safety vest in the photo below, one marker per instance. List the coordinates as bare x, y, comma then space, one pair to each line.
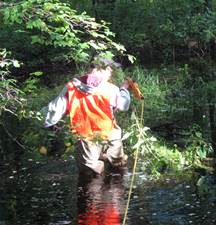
90, 113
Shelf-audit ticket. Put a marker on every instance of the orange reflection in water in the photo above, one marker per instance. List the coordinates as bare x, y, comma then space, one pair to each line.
107, 216
100, 200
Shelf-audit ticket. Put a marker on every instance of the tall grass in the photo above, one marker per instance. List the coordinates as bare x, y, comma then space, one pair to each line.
164, 102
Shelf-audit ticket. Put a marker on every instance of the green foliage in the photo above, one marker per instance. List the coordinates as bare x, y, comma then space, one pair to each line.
154, 93
197, 147
165, 94
53, 23
206, 187
182, 32
168, 94
163, 30
156, 158
32, 83
10, 94
175, 94
37, 139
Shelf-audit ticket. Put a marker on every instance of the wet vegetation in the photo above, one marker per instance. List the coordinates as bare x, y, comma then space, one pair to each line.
167, 46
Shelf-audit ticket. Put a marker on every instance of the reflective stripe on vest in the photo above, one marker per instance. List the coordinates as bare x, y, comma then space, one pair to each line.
90, 114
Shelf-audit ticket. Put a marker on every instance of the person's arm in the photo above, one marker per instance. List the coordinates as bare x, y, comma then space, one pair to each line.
56, 109
123, 101
121, 98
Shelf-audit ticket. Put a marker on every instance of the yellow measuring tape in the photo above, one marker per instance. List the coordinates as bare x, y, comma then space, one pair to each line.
139, 125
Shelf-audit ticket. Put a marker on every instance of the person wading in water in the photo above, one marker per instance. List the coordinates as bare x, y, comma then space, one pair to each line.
91, 101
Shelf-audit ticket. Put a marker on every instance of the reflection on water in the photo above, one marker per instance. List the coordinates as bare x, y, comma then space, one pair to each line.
100, 200
171, 201
51, 193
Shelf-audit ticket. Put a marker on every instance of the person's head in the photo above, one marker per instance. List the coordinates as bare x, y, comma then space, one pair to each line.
101, 71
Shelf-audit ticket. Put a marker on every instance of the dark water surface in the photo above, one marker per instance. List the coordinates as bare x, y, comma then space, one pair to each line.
52, 193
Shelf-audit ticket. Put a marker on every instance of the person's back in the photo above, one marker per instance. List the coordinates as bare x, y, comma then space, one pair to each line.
90, 102
90, 111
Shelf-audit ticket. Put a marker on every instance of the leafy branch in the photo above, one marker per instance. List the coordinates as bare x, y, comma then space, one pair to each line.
9, 93
53, 23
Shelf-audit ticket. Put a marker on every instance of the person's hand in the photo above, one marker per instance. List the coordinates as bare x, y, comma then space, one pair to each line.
125, 84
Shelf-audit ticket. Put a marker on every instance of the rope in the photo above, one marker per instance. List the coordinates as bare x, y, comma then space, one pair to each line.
139, 125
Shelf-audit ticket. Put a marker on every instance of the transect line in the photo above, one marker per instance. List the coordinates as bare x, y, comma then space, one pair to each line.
135, 164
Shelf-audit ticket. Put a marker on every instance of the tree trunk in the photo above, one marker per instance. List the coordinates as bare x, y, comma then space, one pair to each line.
212, 126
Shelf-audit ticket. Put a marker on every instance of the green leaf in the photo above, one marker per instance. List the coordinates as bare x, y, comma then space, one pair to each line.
3, 64
138, 144
131, 58
37, 74
16, 63
127, 135
106, 55
198, 134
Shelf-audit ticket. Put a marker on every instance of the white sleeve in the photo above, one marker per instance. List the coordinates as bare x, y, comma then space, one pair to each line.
123, 100
56, 109
120, 98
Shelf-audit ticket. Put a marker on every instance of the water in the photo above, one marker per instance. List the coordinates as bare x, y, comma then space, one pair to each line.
51, 193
